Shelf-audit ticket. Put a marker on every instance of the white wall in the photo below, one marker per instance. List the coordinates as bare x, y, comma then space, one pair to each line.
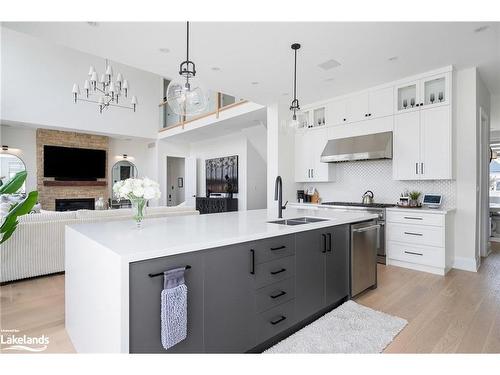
495, 112
22, 143
37, 78
256, 167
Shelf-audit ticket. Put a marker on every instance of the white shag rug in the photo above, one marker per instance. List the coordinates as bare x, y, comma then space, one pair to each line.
350, 328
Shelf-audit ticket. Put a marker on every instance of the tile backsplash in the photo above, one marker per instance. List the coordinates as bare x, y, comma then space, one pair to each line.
354, 178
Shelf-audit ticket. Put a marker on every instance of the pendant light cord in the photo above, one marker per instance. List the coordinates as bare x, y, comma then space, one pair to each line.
295, 78
187, 39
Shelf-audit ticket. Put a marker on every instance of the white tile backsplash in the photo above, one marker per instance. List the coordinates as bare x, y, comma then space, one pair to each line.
354, 178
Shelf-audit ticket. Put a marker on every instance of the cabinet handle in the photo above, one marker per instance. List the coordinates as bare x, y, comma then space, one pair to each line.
412, 253
312, 173
413, 218
282, 293
278, 248
413, 234
279, 271
345, 119
421, 168
324, 242
416, 168
329, 242
417, 105
369, 114
279, 320
421, 104
252, 270
366, 114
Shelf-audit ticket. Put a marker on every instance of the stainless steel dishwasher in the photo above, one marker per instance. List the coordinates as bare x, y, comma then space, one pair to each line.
365, 238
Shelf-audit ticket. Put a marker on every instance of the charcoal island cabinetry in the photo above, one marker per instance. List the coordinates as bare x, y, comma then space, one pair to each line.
244, 294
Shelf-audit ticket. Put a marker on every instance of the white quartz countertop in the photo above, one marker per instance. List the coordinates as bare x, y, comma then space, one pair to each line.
181, 234
441, 211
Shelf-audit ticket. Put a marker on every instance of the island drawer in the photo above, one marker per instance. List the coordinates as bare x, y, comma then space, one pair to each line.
274, 271
275, 320
274, 248
275, 294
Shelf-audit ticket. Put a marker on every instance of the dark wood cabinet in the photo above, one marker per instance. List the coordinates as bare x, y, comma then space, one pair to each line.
215, 205
322, 269
230, 308
145, 304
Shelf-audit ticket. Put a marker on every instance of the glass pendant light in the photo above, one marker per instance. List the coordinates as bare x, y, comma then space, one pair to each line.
186, 96
294, 107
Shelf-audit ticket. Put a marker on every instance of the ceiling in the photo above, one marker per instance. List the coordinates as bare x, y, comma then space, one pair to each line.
255, 60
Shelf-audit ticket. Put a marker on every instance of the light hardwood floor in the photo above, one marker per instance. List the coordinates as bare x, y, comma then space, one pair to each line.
458, 313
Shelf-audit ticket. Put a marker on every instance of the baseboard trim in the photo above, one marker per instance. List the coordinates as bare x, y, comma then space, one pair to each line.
465, 264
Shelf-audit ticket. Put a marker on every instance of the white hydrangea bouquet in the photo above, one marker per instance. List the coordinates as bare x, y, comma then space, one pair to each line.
138, 191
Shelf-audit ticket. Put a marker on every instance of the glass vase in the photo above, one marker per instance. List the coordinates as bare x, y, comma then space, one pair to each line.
139, 210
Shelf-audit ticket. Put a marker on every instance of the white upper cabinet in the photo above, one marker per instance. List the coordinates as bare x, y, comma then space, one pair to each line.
435, 143
336, 112
422, 144
308, 148
381, 103
433, 91
358, 107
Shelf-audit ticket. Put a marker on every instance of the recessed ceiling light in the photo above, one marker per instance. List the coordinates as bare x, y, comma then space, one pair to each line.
481, 28
215, 68
329, 79
329, 64
254, 83
164, 50
393, 58
93, 24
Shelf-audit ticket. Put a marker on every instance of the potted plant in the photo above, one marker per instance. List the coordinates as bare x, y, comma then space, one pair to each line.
9, 220
414, 197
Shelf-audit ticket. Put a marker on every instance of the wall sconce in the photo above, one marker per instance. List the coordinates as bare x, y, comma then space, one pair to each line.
5, 148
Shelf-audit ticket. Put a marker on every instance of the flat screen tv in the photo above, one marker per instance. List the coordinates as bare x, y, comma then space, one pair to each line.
73, 164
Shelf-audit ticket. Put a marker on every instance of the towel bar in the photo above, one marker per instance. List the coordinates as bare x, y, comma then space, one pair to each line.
161, 273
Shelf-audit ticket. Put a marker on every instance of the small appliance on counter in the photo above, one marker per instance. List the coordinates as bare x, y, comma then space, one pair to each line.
300, 196
432, 200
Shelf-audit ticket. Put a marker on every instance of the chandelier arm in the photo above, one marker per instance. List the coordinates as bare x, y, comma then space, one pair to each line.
106, 105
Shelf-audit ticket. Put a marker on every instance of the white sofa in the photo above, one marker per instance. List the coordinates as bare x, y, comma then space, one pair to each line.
37, 246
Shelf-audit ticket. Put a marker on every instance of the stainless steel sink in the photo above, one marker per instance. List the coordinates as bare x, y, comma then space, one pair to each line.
297, 221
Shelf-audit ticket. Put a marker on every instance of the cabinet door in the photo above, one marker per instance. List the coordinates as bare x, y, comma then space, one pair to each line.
406, 146
145, 304
435, 143
357, 107
381, 103
309, 272
302, 157
320, 171
230, 306
336, 112
406, 97
337, 264
435, 91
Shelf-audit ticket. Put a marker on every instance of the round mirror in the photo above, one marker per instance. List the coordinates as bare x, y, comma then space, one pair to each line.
10, 165
123, 170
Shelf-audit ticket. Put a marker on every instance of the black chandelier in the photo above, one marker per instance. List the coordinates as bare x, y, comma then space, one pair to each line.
295, 102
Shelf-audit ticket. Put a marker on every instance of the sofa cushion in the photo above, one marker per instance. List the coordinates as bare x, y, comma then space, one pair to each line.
48, 216
86, 214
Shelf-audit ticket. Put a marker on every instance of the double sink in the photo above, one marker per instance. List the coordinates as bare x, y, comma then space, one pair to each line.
297, 221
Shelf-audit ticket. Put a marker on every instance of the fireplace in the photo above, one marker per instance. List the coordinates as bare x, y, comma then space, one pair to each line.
75, 204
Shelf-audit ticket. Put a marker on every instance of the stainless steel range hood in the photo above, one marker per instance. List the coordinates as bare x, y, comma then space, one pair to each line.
363, 147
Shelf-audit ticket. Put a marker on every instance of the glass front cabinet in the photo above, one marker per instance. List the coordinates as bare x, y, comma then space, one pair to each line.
433, 91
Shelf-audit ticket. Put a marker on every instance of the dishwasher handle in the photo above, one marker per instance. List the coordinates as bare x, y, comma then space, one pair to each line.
366, 229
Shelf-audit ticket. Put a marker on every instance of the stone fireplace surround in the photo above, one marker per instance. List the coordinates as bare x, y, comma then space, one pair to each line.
50, 190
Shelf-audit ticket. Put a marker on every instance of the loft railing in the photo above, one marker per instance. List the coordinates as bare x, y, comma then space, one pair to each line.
217, 102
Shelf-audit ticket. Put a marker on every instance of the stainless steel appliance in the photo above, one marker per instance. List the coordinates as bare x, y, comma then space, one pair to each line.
379, 209
363, 256
363, 147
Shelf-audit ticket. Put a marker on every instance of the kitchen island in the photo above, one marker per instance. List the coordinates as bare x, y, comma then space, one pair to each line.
251, 282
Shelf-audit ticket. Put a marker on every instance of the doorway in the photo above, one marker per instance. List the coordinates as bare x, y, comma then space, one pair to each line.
175, 180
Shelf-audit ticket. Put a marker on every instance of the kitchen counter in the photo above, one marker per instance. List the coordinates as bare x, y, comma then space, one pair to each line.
441, 211
100, 260
180, 234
